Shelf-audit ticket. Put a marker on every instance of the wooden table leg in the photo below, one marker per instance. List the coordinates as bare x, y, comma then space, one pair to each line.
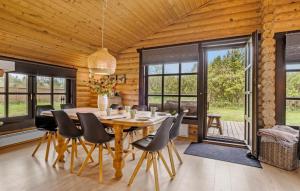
145, 131
59, 146
118, 160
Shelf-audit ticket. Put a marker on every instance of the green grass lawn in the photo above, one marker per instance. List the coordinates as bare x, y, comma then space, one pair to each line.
20, 109
228, 113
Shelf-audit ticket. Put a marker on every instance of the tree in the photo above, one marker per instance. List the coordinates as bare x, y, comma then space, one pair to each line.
226, 79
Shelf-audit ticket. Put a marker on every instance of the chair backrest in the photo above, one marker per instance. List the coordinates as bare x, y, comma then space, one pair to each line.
67, 106
93, 129
174, 132
44, 122
116, 106
161, 138
40, 108
140, 107
66, 126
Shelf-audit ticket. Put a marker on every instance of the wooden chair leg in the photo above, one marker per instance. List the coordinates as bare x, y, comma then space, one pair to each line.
110, 150
76, 151
72, 155
84, 147
39, 144
137, 168
100, 163
155, 171
132, 147
86, 159
165, 164
48, 146
54, 141
169, 146
149, 162
61, 152
176, 152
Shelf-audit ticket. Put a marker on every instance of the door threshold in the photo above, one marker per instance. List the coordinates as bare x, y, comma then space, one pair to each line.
224, 143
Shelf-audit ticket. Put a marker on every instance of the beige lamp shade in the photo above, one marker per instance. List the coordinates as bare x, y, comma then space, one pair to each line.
1, 72
101, 62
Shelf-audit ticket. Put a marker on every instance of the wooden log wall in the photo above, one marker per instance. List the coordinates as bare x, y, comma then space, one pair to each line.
219, 19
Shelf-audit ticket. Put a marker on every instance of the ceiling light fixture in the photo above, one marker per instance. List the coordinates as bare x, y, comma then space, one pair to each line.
101, 62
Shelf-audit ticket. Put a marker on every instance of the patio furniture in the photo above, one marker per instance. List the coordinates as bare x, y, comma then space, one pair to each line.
217, 124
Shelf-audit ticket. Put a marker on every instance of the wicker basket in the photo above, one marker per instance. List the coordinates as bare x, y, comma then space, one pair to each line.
276, 154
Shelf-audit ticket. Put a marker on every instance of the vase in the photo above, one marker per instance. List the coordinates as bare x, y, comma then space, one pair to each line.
102, 102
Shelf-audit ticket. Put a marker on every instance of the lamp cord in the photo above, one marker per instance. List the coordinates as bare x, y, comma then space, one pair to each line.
104, 6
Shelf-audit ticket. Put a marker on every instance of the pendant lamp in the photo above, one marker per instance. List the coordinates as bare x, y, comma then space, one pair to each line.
101, 62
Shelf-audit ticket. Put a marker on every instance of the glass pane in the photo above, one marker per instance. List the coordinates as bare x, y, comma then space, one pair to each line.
293, 112
154, 69
189, 67
154, 85
2, 84
57, 100
17, 83
293, 66
171, 68
190, 104
2, 106
171, 84
189, 85
293, 84
154, 101
43, 84
43, 99
59, 85
17, 105
171, 104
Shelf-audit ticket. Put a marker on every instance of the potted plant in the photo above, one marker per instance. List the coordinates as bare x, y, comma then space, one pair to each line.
103, 87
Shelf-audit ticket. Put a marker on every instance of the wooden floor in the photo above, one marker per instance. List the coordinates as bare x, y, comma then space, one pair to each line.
231, 130
19, 171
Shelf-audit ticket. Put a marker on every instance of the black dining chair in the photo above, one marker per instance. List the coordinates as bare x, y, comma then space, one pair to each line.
174, 132
116, 106
67, 106
152, 146
46, 124
140, 107
94, 132
132, 131
68, 130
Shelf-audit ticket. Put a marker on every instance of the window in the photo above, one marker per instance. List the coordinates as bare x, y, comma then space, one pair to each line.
59, 92
18, 93
2, 96
293, 97
43, 90
172, 86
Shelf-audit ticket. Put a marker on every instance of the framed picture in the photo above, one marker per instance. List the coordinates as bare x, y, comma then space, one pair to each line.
121, 79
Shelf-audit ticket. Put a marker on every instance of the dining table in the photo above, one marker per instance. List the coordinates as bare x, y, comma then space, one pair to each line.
118, 121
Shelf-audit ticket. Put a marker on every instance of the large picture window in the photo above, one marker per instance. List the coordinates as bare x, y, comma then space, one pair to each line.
169, 77
172, 87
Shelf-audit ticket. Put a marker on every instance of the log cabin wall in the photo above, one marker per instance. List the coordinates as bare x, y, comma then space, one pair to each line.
220, 19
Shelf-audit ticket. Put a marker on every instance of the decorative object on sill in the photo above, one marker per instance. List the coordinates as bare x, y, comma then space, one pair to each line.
101, 62
103, 87
1, 123
6, 66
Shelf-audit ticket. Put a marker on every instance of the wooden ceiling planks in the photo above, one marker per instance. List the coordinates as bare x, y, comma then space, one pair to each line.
66, 31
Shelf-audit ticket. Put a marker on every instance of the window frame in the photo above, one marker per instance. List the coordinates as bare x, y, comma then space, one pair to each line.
281, 79
178, 95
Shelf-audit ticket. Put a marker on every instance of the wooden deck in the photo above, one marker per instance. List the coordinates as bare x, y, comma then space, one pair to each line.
231, 130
